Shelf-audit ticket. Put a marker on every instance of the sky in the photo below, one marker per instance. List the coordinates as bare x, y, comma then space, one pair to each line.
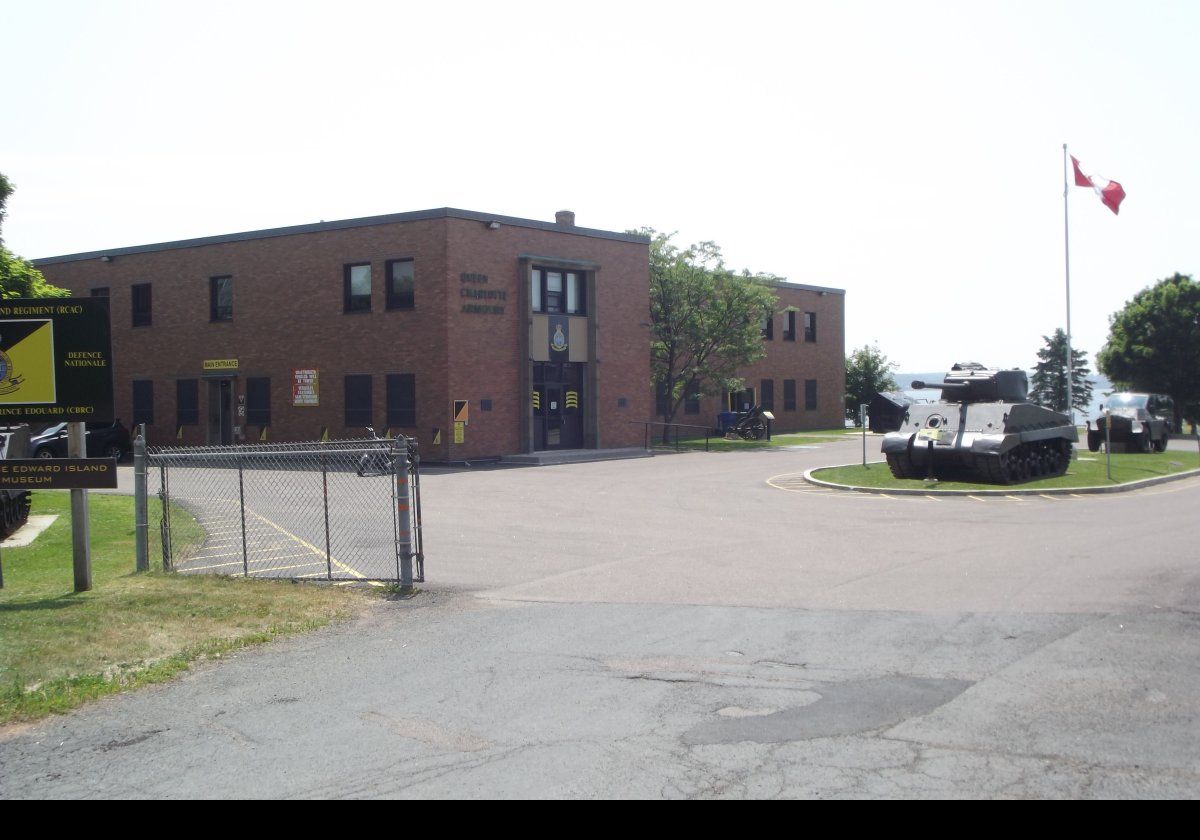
908, 153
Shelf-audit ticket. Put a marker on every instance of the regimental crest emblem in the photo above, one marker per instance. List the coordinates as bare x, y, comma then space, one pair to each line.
558, 342
10, 380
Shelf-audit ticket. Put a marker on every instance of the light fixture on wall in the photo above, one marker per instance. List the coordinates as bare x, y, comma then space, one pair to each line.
493, 225
106, 258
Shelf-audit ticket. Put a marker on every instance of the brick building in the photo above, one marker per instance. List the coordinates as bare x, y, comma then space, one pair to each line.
538, 329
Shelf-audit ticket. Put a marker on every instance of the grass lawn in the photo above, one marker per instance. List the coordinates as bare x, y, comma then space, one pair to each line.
1087, 471
719, 444
59, 649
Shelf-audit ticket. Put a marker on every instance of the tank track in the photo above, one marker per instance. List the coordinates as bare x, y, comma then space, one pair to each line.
14, 511
1027, 461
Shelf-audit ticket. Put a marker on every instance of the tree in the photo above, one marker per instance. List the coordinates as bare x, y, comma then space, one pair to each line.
868, 372
705, 320
1049, 386
18, 277
1154, 343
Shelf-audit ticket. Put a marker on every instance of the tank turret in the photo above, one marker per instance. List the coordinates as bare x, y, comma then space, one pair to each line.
983, 428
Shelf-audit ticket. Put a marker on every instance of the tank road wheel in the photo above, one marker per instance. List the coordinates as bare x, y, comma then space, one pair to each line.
900, 464
1000, 468
1160, 445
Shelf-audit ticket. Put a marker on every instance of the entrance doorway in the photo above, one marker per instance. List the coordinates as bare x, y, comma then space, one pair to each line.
558, 403
220, 412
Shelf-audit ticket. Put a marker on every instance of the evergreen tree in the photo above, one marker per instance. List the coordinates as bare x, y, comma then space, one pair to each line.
1049, 386
868, 372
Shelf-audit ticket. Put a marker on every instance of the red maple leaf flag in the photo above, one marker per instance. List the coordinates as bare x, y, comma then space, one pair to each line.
1110, 192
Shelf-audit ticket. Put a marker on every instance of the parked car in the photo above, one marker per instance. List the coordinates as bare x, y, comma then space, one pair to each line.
1139, 422
104, 440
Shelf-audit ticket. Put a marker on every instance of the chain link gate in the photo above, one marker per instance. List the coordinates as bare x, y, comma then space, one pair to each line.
330, 510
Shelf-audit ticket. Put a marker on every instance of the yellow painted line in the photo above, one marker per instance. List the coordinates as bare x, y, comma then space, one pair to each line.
206, 568
1014, 498
270, 569
977, 498
307, 544
1050, 497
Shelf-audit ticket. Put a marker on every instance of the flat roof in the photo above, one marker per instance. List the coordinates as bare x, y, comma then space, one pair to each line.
344, 224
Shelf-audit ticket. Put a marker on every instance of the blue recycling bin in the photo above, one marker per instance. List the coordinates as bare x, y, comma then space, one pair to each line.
726, 420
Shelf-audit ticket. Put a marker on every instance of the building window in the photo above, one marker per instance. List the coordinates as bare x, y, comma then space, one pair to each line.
810, 395
100, 291
187, 402
789, 333
220, 298
141, 304
401, 400
767, 391
810, 326
258, 401
358, 288
558, 291
789, 395
143, 402
400, 279
768, 327
691, 400
358, 401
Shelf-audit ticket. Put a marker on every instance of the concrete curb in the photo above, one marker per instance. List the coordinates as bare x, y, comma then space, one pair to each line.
1049, 491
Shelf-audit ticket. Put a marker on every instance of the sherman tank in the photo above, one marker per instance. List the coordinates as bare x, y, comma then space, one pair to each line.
982, 429
14, 504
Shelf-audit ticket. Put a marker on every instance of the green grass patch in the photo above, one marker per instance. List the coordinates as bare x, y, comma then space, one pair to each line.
719, 444
1089, 470
59, 648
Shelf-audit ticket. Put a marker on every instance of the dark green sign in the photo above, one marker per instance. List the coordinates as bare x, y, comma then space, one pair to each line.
59, 474
55, 360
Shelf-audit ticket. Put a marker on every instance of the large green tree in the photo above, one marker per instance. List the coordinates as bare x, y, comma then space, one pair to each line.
1049, 386
868, 372
1154, 343
705, 320
18, 277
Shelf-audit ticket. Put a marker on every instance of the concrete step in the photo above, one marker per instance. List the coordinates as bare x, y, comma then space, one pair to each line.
574, 456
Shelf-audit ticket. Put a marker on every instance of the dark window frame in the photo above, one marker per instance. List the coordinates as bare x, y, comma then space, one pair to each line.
141, 304
187, 402
258, 401
766, 394
789, 395
789, 331
540, 274
355, 303
768, 328
810, 327
358, 400
810, 395
143, 402
401, 393
217, 312
403, 299
691, 398
100, 291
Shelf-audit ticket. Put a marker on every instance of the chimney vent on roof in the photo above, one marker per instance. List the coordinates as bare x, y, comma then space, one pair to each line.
566, 218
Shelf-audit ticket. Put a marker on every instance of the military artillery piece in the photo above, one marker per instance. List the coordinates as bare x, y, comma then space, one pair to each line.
982, 429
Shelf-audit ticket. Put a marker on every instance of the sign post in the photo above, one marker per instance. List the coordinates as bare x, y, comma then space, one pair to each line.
56, 366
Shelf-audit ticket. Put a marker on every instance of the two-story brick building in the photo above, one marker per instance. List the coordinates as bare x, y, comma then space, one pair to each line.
480, 335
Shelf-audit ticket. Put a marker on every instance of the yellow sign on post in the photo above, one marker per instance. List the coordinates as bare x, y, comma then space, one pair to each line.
460, 430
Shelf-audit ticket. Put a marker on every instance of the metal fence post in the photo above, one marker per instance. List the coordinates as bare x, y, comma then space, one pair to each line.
404, 523
325, 504
141, 514
242, 506
164, 523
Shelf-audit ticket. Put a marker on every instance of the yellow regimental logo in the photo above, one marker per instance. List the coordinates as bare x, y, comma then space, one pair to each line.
26, 362
537, 399
572, 399
262, 435
437, 437
324, 433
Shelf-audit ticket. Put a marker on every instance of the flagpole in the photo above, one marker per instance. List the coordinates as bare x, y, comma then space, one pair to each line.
1067, 251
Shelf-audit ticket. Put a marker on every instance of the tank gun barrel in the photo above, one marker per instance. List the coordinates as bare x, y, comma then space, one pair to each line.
950, 387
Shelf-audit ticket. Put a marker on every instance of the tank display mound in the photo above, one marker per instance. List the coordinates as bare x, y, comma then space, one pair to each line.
983, 429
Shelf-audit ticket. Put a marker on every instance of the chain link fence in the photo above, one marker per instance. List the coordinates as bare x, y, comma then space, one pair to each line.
331, 510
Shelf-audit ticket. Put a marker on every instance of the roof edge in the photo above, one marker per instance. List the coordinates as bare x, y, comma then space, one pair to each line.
345, 224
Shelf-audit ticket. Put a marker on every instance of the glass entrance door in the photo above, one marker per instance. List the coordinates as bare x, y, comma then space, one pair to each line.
557, 405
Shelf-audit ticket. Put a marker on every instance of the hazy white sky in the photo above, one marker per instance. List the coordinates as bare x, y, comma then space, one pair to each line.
910, 153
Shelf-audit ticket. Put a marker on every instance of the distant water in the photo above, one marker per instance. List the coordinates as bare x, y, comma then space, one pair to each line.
1101, 387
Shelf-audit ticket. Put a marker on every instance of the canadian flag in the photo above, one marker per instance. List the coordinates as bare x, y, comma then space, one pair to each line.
1110, 192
